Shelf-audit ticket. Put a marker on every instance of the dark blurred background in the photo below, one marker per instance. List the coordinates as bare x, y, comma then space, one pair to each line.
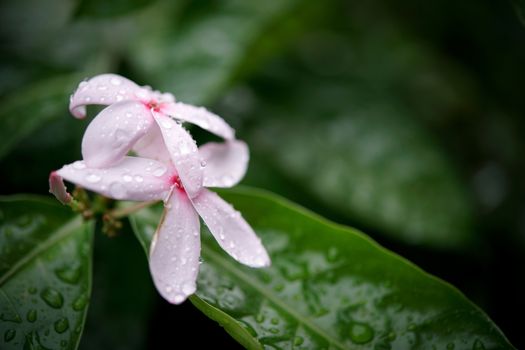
402, 119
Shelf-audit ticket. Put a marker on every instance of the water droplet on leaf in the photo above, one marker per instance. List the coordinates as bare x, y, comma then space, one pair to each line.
9, 335
80, 303
31, 315
61, 325
361, 333
52, 298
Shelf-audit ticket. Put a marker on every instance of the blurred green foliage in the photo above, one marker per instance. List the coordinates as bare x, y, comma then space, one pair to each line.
402, 119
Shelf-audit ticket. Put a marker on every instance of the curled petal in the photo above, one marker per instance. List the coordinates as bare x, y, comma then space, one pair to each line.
104, 89
110, 136
175, 250
184, 153
225, 163
231, 231
58, 189
135, 179
152, 145
200, 117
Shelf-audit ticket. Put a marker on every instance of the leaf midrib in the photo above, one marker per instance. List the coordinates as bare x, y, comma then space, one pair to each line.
268, 294
52, 239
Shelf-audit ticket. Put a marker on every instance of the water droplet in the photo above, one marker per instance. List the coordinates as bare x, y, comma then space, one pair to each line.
63, 343
79, 165
117, 190
227, 180
203, 163
61, 325
391, 336
139, 178
188, 288
120, 98
93, 178
332, 254
274, 320
127, 178
169, 289
32, 290
232, 245
361, 333
161, 170
298, 340
278, 287
195, 233
259, 318
102, 87
179, 298
69, 274
478, 345
80, 303
115, 81
166, 124
120, 136
411, 327
274, 330
87, 99
9, 335
31, 315
52, 298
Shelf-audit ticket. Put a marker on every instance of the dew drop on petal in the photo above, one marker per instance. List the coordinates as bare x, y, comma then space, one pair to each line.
188, 288
127, 178
203, 163
79, 165
117, 190
93, 178
179, 298
115, 81
166, 124
161, 170
139, 178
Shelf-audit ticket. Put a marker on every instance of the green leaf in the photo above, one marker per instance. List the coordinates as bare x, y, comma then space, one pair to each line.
45, 274
329, 286
25, 110
195, 51
101, 9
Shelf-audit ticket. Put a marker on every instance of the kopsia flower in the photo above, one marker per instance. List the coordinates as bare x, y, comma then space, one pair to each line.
170, 168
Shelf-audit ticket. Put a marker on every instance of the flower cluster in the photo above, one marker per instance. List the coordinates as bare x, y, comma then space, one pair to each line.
168, 166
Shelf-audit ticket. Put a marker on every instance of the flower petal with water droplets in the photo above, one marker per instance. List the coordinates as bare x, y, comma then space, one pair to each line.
184, 153
104, 89
175, 250
110, 136
152, 145
133, 178
224, 164
231, 231
201, 117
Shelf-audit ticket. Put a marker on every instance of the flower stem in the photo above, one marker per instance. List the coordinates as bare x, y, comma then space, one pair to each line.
123, 212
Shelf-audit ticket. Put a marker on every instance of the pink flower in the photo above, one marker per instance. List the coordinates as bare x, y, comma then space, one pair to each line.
170, 168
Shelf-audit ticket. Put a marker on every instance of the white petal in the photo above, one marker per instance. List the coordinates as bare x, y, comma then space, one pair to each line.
113, 132
184, 153
225, 164
200, 117
104, 89
175, 250
133, 178
152, 145
231, 231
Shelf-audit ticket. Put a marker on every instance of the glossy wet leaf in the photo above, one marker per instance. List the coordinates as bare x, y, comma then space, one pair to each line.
45, 274
26, 110
195, 51
329, 286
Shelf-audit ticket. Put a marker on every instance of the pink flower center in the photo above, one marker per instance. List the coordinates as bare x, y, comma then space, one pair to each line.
153, 105
175, 180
